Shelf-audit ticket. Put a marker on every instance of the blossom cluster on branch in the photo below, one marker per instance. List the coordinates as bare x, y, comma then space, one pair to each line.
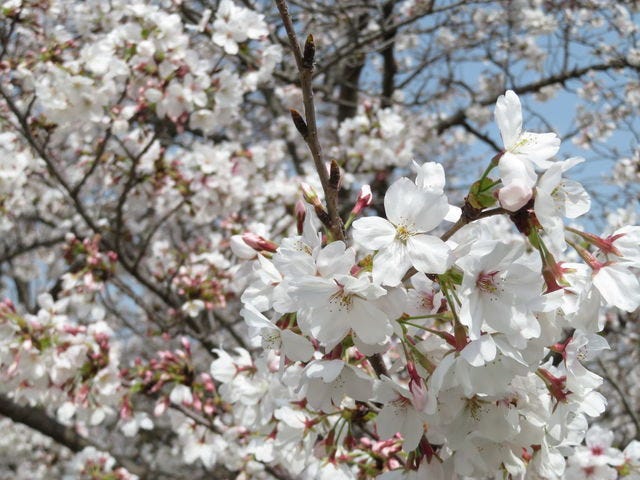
229, 251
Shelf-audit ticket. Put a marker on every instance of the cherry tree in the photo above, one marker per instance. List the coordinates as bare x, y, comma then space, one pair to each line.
369, 239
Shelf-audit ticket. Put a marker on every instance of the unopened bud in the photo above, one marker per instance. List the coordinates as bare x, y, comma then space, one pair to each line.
299, 122
301, 214
309, 194
259, 243
365, 197
334, 175
309, 53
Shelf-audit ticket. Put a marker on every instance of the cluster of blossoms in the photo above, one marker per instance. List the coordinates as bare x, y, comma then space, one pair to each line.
48, 359
599, 460
152, 172
466, 349
373, 139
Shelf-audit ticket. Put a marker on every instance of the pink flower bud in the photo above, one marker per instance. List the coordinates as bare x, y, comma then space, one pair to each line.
309, 194
365, 197
161, 406
259, 243
514, 196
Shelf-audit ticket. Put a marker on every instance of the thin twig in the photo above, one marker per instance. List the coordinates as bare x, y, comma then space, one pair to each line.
305, 70
623, 398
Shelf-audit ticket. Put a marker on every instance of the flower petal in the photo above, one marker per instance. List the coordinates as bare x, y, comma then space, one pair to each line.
373, 232
428, 254
508, 116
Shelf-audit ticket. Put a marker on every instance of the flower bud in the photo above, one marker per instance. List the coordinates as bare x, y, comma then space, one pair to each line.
365, 197
258, 242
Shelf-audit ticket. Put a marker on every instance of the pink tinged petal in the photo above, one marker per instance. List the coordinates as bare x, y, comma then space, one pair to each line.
514, 195
373, 233
369, 322
618, 286
538, 148
508, 116
429, 254
390, 264
296, 347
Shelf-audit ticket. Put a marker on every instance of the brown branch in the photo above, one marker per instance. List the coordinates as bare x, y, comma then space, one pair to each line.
305, 70
623, 398
37, 419
388, 55
350, 78
22, 249
74, 196
460, 116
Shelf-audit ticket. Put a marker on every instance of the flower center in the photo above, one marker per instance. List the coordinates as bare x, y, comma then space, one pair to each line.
403, 233
343, 300
487, 282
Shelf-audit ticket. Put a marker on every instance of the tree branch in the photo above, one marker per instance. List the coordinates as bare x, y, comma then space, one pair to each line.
305, 70
37, 419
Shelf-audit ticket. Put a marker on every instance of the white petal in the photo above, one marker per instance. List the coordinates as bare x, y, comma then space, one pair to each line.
335, 259
431, 212
402, 199
429, 254
390, 264
327, 370
312, 291
453, 214
296, 347
430, 177
576, 199
369, 322
373, 232
538, 148
255, 319
618, 286
508, 116
479, 351
513, 168
412, 429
